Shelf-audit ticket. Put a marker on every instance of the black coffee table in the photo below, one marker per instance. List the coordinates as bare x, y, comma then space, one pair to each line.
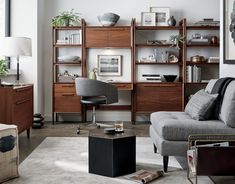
112, 154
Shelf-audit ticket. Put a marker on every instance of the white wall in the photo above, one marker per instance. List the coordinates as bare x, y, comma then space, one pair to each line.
24, 22
226, 70
190, 9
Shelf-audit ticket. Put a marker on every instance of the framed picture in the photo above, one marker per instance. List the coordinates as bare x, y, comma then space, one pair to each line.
148, 19
109, 65
229, 31
162, 14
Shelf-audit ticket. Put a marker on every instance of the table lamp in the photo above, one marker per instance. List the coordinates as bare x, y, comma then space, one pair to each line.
16, 47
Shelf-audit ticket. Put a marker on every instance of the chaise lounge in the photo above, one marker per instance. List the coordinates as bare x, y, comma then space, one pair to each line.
169, 131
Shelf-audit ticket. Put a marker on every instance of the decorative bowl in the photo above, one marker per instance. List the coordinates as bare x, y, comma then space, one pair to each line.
108, 19
170, 78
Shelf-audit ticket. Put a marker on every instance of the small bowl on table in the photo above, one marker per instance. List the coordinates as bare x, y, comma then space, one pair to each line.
170, 78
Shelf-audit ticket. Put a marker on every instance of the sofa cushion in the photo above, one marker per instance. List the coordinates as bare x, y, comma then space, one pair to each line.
177, 126
200, 106
210, 85
227, 113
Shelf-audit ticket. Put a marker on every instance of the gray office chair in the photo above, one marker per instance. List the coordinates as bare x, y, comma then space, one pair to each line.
95, 93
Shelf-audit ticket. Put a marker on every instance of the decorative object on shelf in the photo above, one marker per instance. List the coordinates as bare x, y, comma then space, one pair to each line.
67, 77
66, 18
170, 78
69, 58
193, 73
108, 19
176, 40
199, 39
162, 15
16, 47
214, 40
197, 59
109, 65
3, 68
152, 77
207, 22
229, 31
93, 74
156, 42
213, 60
171, 21
148, 19
173, 58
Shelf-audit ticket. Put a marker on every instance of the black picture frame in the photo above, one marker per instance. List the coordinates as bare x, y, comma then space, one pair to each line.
226, 37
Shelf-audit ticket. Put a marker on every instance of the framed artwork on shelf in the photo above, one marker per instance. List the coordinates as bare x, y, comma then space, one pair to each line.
229, 31
162, 14
148, 19
109, 65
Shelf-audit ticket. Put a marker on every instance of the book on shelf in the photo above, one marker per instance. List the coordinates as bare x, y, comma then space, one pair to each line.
144, 176
193, 74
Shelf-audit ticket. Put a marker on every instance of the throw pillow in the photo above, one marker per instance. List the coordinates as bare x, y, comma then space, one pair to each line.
227, 113
200, 106
210, 85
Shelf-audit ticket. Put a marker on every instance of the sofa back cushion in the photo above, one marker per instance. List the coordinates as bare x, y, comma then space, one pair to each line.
227, 113
200, 106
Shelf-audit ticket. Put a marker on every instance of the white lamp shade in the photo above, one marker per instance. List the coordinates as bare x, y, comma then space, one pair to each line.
15, 46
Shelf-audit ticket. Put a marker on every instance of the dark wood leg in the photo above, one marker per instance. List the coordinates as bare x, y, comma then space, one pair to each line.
28, 133
165, 163
154, 148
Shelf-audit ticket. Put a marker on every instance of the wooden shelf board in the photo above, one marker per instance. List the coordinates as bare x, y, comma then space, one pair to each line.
67, 63
67, 45
210, 45
156, 63
160, 83
158, 28
67, 27
99, 47
196, 83
156, 45
200, 63
203, 27
108, 27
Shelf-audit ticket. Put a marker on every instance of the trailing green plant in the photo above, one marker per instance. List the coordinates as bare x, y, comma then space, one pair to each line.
176, 40
65, 18
3, 67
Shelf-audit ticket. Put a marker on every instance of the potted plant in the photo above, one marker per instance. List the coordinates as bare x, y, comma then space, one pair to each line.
65, 18
176, 40
3, 68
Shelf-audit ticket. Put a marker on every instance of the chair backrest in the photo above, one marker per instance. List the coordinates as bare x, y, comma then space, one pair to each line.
92, 88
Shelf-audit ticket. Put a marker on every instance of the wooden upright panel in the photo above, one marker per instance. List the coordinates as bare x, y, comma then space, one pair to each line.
120, 37
96, 37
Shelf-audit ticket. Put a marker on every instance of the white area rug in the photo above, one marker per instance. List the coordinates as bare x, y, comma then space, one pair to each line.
65, 161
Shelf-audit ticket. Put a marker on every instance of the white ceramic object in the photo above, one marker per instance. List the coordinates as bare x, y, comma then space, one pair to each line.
108, 19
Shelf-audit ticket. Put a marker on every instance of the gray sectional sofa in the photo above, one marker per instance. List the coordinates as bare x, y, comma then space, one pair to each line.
169, 131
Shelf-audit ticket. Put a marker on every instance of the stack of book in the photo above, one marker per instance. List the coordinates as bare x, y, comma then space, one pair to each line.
207, 22
193, 74
201, 41
152, 77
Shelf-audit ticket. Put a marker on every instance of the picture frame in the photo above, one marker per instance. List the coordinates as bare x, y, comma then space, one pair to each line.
228, 31
162, 14
148, 19
109, 65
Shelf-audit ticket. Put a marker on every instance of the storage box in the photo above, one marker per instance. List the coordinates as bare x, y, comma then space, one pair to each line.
9, 152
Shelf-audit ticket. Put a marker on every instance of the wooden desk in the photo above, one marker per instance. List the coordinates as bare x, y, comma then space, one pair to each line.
16, 106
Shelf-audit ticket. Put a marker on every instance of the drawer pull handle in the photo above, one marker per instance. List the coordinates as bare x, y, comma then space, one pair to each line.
67, 86
68, 94
23, 101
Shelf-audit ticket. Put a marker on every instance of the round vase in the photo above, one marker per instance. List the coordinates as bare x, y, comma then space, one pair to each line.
171, 21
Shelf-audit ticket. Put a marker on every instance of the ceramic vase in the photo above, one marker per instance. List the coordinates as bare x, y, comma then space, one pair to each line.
171, 21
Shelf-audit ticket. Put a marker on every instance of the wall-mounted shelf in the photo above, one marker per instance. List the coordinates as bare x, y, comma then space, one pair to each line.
170, 28
203, 27
156, 63
200, 63
67, 63
156, 45
203, 46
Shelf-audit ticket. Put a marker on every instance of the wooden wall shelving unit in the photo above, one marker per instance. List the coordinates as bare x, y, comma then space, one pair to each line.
146, 97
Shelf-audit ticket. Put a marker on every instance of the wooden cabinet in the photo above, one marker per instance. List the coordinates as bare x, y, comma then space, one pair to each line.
17, 106
152, 97
65, 98
108, 37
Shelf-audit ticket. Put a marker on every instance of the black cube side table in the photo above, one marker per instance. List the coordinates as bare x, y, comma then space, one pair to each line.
112, 155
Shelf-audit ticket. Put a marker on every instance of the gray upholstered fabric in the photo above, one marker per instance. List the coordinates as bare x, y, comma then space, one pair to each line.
177, 126
200, 106
227, 113
91, 88
210, 85
168, 148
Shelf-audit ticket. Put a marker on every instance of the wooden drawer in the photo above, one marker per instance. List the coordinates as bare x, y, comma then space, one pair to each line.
23, 114
64, 88
66, 102
124, 86
96, 37
158, 97
23, 93
120, 37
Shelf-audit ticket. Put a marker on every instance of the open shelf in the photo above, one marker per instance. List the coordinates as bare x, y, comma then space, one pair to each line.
196, 83
67, 63
203, 27
67, 27
156, 63
201, 45
67, 45
170, 28
200, 63
153, 45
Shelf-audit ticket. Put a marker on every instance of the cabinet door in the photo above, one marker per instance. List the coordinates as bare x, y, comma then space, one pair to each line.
158, 97
120, 37
96, 37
